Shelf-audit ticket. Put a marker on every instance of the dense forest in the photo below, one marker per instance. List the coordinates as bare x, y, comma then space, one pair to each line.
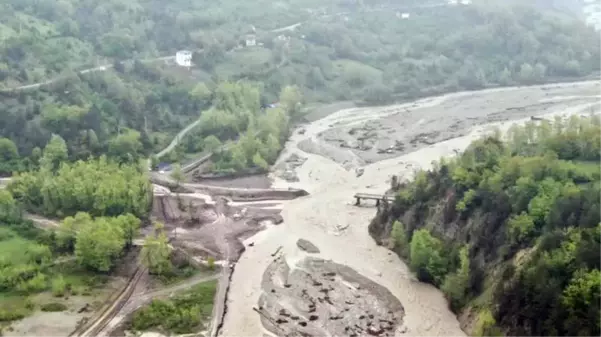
510, 229
338, 51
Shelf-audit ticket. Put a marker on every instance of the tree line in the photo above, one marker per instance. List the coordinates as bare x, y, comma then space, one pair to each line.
241, 132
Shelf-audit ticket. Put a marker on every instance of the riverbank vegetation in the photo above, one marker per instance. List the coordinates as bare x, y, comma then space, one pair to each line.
241, 134
510, 229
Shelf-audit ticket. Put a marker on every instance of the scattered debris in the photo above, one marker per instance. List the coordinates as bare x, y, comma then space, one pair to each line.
276, 251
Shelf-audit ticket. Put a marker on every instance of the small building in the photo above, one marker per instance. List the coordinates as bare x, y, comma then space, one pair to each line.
466, 2
183, 58
404, 15
282, 38
251, 40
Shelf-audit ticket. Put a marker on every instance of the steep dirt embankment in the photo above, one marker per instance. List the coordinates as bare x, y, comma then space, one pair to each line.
235, 194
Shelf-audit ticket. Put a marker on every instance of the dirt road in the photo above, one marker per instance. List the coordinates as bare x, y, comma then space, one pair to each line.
329, 220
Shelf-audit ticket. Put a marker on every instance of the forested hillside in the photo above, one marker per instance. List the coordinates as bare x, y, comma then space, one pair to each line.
509, 230
341, 50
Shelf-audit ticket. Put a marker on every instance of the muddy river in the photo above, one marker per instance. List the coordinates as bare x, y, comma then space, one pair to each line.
382, 141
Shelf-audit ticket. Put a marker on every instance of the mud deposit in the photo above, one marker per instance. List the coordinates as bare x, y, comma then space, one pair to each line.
322, 298
408, 127
208, 227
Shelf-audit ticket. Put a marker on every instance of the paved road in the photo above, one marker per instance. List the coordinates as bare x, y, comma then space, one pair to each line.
85, 71
177, 138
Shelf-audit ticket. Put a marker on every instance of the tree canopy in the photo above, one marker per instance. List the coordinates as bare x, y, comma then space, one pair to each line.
98, 186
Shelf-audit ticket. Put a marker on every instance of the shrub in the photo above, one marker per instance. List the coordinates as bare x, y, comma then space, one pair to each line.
486, 325
456, 284
36, 284
53, 307
59, 286
399, 238
29, 304
211, 262
7, 315
427, 257
182, 314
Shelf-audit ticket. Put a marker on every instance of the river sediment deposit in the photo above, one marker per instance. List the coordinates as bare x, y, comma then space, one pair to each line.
327, 156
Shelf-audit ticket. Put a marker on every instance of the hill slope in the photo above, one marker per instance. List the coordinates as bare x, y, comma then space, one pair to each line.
344, 50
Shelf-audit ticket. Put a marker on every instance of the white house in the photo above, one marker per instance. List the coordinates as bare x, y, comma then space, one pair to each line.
183, 58
466, 2
404, 15
251, 40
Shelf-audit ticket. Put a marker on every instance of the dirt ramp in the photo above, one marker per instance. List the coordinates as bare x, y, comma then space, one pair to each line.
182, 210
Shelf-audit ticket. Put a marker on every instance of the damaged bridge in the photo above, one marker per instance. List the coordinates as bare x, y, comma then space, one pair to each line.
376, 197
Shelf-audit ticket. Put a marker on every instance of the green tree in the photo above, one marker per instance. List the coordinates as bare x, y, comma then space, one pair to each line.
582, 300
399, 238
126, 147
36, 155
201, 92
97, 246
9, 210
59, 286
526, 73
156, 252
177, 174
67, 231
211, 143
130, 225
456, 284
520, 227
154, 162
8, 150
239, 159
258, 161
426, 256
55, 152
291, 99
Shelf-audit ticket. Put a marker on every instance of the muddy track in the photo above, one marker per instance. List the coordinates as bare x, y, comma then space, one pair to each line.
95, 327
221, 298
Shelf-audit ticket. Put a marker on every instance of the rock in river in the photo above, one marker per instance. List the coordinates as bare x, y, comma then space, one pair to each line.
307, 246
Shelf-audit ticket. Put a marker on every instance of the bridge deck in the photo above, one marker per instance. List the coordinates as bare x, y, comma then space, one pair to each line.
373, 196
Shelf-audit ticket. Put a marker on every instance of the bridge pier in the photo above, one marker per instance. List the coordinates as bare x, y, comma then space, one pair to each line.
358, 201
377, 202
